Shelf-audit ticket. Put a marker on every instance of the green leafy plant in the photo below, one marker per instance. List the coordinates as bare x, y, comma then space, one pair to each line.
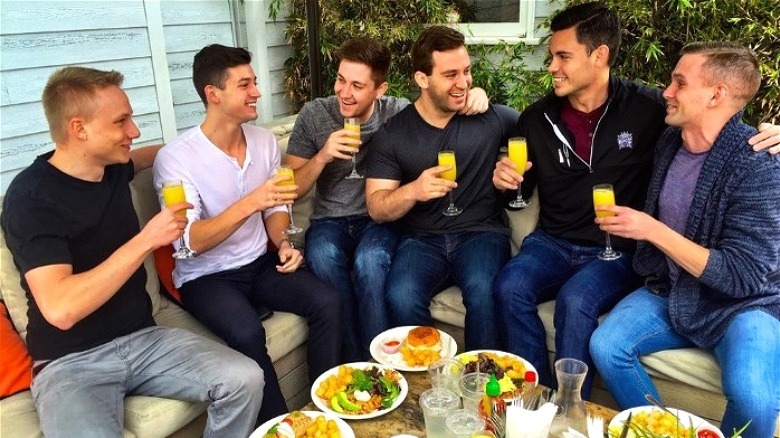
654, 31
499, 69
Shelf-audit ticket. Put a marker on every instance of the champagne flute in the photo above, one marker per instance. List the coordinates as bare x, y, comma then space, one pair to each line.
286, 170
173, 193
352, 125
518, 153
447, 158
603, 194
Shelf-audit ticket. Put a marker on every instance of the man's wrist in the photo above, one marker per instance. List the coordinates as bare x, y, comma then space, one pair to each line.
285, 240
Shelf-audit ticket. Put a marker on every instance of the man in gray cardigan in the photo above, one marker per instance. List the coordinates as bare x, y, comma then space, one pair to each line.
709, 246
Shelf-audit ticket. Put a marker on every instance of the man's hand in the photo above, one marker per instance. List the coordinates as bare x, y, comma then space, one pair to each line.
506, 176
768, 138
430, 186
627, 222
166, 226
290, 258
340, 145
271, 195
476, 102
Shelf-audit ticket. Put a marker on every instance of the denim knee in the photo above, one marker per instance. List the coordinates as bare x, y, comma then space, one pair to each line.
323, 255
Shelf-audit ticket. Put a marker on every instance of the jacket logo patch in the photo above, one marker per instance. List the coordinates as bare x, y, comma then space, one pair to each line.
625, 140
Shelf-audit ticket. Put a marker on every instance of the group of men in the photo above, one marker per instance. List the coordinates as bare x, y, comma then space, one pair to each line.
695, 205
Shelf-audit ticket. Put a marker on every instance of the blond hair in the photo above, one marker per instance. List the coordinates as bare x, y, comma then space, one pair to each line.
69, 93
731, 64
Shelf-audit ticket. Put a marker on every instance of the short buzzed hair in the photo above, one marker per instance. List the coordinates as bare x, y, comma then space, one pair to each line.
70, 92
731, 64
369, 52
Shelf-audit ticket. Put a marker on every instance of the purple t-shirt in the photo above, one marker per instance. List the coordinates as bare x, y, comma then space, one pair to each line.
674, 201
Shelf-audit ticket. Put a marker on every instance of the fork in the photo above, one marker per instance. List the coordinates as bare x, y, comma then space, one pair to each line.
595, 427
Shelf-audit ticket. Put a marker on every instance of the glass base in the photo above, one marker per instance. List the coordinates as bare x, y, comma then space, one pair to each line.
452, 211
183, 253
518, 203
292, 230
609, 254
354, 175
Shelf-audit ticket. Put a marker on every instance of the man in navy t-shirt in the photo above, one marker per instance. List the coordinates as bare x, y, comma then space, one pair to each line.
406, 184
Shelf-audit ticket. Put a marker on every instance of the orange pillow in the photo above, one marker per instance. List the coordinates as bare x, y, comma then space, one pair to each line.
164, 264
15, 362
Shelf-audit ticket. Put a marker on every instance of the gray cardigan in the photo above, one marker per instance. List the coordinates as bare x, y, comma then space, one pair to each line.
735, 213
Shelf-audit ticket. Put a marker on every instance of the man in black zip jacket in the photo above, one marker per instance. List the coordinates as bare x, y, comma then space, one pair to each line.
594, 128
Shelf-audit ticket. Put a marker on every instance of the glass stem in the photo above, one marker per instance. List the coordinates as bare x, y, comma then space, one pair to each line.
354, 164
452, 201
519, 194
609, 244
289, 211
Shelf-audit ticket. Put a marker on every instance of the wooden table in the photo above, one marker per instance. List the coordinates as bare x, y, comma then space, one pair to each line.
408, 417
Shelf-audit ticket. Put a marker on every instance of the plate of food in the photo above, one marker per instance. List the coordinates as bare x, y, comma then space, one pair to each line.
412, 348
509, 368
651, 421
299, 424
359, 390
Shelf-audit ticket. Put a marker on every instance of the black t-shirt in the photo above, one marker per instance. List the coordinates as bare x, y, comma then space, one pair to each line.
52, 218
406, 145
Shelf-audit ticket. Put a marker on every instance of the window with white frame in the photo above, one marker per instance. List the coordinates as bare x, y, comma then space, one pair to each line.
489, 21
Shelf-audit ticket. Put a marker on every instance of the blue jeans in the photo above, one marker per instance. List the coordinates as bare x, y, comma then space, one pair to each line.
582, 286
82, 394
425, 265
353, 255
748, 355
225, 302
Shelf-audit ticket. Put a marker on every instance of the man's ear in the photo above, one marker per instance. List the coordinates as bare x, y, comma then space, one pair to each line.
381, 90
77, 129
720, 94
421, 79
602, 54
212, 93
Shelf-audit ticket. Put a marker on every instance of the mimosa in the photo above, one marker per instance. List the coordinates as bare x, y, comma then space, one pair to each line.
447, 158
287, 171
352, 125
518, 154
173, 193
604, 194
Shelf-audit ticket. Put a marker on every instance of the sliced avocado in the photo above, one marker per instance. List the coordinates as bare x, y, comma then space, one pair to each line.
345, 403
334, 404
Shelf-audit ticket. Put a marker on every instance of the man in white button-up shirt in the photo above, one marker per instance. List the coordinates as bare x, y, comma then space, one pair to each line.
228, 167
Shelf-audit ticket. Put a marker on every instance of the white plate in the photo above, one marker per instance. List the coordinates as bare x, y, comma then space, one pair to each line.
528, 366
685, 419
346, 431
448, 348
325, 407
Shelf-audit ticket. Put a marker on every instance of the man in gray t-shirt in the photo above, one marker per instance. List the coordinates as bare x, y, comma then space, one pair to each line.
344, 247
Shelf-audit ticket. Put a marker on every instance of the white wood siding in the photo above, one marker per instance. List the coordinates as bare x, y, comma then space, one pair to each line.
152, 42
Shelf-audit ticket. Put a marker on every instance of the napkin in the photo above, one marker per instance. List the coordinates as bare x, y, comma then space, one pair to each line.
595, 429
524, 423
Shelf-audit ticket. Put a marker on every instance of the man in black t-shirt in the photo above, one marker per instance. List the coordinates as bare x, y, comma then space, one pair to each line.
406, 184
74, 236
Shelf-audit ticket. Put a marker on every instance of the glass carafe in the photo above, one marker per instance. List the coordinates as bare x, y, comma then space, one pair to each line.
571, 409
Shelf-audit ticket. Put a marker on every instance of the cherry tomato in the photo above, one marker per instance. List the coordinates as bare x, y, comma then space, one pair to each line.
707, 433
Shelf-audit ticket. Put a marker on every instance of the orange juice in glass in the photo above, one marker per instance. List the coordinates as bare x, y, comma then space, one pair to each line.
447, 158
604, 194
173, 193
287, 171
352, 126
518, 154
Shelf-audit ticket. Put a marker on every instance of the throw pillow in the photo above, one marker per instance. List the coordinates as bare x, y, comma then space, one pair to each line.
15, 363
164, 264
